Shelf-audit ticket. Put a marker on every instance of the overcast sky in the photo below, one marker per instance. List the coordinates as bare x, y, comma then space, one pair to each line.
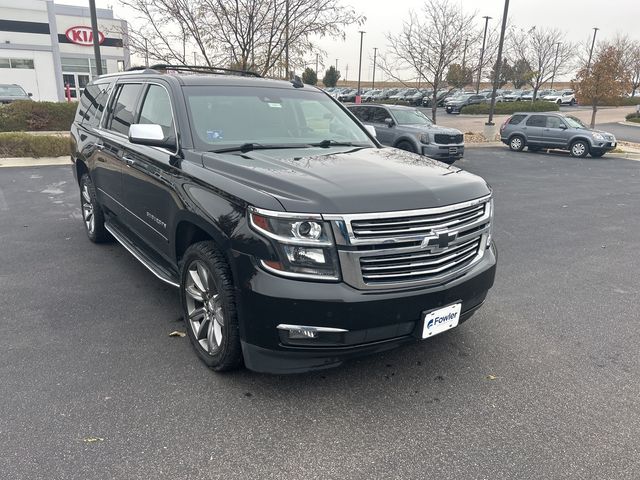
575, 17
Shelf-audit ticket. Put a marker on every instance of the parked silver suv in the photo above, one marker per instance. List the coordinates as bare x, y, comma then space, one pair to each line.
409, 129
538, 131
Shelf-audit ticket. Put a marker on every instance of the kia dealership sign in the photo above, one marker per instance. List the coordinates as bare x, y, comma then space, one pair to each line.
82, 36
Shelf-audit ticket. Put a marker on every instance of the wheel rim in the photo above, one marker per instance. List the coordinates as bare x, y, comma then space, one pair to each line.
578, 149
204, 307
87, 209
516, 143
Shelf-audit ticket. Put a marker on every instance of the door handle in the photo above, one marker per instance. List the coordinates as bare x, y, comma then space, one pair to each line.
128, 161
99, 145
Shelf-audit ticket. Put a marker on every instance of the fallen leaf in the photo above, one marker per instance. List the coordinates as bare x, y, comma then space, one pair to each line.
177, 333
92, 439
491, 377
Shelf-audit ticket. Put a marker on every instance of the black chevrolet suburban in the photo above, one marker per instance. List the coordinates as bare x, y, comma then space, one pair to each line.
295, 239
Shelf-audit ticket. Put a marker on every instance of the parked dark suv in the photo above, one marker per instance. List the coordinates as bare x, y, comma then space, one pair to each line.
295, 239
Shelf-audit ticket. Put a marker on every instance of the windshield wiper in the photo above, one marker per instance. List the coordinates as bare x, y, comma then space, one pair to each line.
247, 147
335, 143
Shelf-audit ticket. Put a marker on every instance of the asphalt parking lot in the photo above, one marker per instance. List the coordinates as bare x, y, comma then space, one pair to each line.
542, 383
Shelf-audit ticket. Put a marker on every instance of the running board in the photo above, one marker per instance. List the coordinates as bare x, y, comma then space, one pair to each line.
142, 256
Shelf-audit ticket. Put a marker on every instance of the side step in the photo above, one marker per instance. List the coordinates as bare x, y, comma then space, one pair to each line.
152, 262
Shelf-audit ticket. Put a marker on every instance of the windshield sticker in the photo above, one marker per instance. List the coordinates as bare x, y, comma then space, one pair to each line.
213, 135
275, 105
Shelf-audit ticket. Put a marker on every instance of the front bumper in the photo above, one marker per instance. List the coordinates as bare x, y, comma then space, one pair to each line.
445, 153
373, 321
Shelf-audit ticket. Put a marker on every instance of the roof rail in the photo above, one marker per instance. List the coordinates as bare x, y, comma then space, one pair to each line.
203, 69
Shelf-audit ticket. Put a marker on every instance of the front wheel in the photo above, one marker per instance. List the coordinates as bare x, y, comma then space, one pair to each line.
209, 308
572, 102
559, 102
579, 149
516, 143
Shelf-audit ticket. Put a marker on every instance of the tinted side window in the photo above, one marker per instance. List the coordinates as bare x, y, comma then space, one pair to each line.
554, 122
516, 119
88, 97
94, 112
537, 121
361, 113
123, 108
156, 109
378, 115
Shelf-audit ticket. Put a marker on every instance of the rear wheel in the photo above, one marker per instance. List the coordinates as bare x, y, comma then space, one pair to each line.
407, 146
516, 143
209, 308
92, 214
579, 149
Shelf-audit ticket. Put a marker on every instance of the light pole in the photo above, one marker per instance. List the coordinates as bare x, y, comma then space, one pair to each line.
484, 41
96, 36
595, 30
505, 14
359, 67
316, 64
555, 64
373, 82
286, 39
464, 54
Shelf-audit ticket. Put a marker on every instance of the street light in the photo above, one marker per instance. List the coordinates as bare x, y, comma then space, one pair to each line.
359, 67
555, 64
96, 36
505, 14
484, 41
595, 30
373, 82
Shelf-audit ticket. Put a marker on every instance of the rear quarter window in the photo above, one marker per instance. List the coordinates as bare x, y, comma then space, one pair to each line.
516, 119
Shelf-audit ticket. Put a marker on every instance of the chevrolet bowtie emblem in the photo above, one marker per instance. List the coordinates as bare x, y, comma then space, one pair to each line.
439, 240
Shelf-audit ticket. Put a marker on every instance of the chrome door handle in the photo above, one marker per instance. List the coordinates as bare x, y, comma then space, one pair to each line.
129, 161
99, 146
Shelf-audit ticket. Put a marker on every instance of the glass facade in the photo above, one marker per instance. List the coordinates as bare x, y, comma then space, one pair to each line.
77, 73
24, 63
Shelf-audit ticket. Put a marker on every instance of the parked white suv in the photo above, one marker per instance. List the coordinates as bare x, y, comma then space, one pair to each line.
564, 97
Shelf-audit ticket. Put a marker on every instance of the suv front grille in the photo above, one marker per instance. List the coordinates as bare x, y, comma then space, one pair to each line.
419, 224
412, 248
445, 139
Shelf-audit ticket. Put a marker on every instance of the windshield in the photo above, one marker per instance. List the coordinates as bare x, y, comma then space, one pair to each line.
224, 116
410, 117
11, 91
574, 122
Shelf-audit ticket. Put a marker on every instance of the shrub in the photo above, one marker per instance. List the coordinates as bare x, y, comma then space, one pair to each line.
505, 108
633, 117
36, 116
27, 145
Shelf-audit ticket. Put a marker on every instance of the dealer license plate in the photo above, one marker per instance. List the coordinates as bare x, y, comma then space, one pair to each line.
440, 320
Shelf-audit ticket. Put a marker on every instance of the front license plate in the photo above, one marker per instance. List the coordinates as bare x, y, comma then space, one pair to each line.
438, 321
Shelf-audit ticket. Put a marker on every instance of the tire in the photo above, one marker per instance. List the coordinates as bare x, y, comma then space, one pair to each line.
209, 307
559, 102
597, 153
572, 102
406, 146
579, 149
516, 143
92, 214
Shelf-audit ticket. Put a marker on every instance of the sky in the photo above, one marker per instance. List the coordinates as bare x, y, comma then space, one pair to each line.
575, 17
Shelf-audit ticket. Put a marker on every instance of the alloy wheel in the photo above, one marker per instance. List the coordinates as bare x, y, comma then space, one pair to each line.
516, 143
204, 307
87, 210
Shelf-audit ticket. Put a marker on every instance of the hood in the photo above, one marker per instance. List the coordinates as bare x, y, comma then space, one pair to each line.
342, 180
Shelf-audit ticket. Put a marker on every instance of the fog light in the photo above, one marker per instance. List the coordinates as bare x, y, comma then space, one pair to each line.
297, 333
304, 255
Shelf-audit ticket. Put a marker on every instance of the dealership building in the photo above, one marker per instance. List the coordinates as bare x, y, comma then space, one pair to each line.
47, 48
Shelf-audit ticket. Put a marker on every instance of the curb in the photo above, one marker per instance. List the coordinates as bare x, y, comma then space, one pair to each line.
630, 124
34, 162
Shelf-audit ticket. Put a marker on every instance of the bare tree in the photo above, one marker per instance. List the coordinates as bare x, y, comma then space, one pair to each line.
634, 67
429, 42
539, 47
249, 34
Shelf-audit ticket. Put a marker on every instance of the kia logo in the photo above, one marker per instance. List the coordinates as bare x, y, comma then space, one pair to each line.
82, 36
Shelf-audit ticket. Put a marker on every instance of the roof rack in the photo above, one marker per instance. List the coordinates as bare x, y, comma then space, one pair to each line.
194, 69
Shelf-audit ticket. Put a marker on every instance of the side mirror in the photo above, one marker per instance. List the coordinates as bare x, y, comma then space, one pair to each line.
563, 127
150, 135
389, 121
372, 130
30, 94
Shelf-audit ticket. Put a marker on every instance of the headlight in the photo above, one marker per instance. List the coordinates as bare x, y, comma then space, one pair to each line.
490, 206
424, 138
303, 243
598, 136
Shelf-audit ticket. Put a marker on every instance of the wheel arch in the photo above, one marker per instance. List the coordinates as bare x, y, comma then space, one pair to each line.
190, 229
408, 139
80, 168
